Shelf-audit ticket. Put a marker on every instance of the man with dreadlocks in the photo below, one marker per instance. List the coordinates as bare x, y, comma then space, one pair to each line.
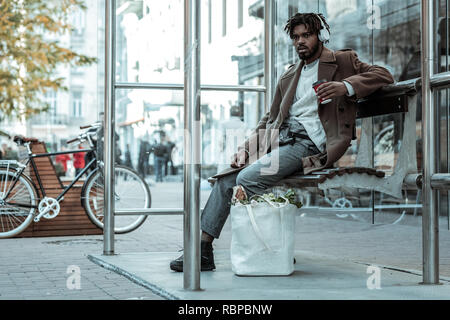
313, 135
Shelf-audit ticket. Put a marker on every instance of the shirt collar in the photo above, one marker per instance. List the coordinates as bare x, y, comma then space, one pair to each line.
311, 65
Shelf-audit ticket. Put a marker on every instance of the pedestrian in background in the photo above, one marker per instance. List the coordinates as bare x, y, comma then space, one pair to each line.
62, 159
159, 151
128, 162
144, 154
169, 145
229, 130
78, 161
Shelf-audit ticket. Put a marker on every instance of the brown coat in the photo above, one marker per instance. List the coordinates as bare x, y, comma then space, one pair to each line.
337, 117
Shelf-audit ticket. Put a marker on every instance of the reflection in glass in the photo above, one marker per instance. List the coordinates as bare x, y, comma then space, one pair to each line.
443, 142
227, 119
232, 44
442, 41
349, 29
149, 41
285, 53
384, 33
397, 48
348, 20
149, 135
397, 40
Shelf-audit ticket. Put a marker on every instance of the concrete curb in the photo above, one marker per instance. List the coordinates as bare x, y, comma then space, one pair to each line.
153, 288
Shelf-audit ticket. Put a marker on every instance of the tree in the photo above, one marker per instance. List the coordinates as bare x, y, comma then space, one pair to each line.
30, 53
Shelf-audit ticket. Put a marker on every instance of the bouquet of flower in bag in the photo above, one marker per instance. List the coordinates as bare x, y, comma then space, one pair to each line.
289, 195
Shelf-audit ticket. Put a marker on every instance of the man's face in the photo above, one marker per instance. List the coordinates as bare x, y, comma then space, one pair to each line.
306, 43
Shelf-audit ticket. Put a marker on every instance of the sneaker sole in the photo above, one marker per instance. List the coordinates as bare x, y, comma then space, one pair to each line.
180, 269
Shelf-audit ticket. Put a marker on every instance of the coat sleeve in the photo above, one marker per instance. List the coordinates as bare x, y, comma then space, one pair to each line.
368, 78
251, 144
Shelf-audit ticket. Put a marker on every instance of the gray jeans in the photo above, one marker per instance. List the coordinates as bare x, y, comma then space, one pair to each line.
256, 178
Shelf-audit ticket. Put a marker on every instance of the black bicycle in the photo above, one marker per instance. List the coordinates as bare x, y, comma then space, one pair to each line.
21, 201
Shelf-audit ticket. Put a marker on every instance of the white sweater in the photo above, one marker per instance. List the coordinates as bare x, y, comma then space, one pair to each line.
305, 104
304, 107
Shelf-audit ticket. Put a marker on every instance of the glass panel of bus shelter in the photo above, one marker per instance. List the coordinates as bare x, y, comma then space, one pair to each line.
227, 119
285, 53
349, 28
442, 57
442, 52
149, 139
67, 109
149, 41
232, 41
443, 107
397, 47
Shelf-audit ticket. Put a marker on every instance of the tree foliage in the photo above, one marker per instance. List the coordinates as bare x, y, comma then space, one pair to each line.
30, 53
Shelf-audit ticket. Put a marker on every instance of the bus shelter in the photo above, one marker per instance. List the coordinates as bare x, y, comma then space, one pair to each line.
434, 79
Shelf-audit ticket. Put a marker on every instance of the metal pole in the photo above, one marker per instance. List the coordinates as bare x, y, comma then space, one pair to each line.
192, 145
430, 217
108, 133
269, 52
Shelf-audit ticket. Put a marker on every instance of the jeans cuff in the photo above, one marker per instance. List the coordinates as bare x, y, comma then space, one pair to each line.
210, 230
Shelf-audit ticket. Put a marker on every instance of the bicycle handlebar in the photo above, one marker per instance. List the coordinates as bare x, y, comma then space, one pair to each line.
71, 141
96, 124
82, 137
5, 134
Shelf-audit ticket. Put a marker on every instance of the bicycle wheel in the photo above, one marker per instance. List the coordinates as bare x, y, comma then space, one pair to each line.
17, 207
130, 191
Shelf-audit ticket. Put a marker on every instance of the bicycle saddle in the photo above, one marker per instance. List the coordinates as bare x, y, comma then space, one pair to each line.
22, 139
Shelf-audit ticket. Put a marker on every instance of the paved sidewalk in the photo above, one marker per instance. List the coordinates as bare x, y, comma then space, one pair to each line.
37, 268
316, 277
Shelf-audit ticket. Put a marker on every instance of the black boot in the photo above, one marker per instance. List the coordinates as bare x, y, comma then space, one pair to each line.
207, 259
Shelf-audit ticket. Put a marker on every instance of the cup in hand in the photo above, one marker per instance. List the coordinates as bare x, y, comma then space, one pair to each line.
316, 86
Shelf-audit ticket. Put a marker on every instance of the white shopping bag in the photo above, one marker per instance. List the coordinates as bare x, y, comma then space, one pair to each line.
262, 238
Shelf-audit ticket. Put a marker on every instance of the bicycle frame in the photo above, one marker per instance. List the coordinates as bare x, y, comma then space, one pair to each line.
30, 159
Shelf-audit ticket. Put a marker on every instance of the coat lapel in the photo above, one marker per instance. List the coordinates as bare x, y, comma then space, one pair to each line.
290, 80
327, 65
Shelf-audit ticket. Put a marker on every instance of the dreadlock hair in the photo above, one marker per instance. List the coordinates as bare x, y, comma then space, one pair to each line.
310, 20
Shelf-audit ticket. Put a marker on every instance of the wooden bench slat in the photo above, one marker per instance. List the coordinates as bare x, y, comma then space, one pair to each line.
315, 178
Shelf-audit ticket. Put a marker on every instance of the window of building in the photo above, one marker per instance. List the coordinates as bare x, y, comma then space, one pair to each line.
51, 98
77, 105
79, 22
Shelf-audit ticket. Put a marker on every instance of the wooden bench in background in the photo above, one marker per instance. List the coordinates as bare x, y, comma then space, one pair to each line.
72, 219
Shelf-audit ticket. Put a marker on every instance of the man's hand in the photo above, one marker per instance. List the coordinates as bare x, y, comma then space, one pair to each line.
331, 89
239, 158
